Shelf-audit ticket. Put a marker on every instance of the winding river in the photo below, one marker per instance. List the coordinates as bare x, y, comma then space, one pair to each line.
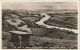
41, 22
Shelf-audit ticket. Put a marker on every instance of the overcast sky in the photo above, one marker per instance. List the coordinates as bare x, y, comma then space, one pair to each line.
39, 5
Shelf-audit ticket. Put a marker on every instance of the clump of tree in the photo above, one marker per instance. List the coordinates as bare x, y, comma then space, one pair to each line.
21, 24
61, 37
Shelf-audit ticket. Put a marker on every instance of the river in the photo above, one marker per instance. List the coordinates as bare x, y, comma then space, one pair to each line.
41, 22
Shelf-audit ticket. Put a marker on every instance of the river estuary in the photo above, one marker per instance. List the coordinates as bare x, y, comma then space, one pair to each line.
41, 22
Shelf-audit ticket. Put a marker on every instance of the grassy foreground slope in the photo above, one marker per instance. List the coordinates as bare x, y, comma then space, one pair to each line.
51, 42
42, 42
52, 33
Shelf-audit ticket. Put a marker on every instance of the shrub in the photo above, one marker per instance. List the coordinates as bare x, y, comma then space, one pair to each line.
21, 24
61, 37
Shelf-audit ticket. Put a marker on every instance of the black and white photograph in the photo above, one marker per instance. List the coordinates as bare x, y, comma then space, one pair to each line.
39, 25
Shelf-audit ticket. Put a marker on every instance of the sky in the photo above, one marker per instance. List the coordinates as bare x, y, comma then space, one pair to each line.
39, 5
